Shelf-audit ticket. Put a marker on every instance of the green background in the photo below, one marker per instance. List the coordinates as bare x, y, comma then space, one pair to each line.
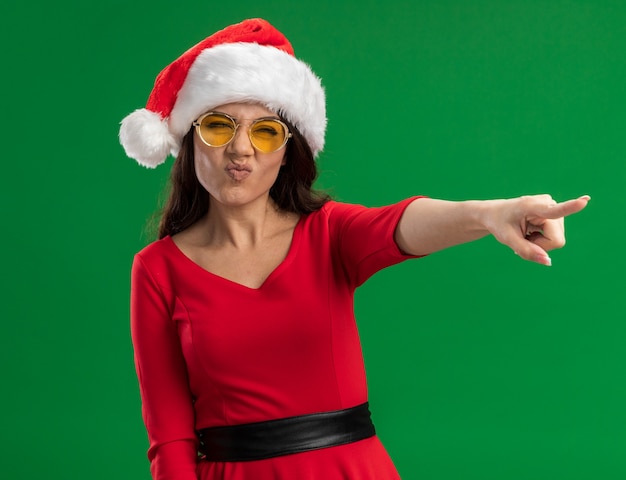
481, 366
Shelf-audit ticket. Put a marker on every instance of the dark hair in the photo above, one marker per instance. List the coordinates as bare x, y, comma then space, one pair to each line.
293, 191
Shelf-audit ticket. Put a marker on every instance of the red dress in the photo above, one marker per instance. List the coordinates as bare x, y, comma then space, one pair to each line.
212, 352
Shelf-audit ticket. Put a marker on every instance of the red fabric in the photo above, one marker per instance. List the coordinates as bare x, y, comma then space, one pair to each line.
211, 352
171, 79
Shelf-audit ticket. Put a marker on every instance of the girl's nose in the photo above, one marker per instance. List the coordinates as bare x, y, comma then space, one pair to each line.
240, 144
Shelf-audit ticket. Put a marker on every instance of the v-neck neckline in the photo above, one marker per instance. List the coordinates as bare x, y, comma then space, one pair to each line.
291, 252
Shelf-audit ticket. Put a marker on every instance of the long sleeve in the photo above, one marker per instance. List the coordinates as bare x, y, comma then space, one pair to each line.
167, 404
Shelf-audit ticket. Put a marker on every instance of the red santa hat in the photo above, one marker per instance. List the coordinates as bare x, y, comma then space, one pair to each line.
247, 62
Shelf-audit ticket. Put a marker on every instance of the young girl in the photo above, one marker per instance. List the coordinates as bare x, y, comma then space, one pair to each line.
245, 340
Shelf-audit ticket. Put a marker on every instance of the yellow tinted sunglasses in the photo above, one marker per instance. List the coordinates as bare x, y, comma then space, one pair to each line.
217, 129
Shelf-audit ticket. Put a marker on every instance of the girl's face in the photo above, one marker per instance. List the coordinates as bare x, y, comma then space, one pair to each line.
237, 174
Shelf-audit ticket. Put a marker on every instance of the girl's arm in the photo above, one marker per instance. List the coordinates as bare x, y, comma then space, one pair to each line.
530, 225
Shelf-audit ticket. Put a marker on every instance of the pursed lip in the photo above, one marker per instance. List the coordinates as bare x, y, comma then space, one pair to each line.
238, 172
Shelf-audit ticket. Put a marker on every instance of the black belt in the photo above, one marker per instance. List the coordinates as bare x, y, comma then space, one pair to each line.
256, 441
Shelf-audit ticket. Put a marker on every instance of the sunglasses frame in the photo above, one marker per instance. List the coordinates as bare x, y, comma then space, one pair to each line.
198, 124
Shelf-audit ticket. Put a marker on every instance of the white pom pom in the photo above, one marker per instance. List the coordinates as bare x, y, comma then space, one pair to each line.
146, 138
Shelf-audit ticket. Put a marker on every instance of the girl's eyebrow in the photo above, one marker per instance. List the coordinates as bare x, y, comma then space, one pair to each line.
273, 116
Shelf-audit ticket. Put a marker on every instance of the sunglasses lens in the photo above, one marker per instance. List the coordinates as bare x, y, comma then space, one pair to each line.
268, 135
217, 130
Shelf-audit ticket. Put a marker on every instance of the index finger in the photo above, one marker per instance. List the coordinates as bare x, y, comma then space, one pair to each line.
564, 209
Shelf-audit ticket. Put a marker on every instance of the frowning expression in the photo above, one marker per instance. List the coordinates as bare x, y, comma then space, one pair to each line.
238, 173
